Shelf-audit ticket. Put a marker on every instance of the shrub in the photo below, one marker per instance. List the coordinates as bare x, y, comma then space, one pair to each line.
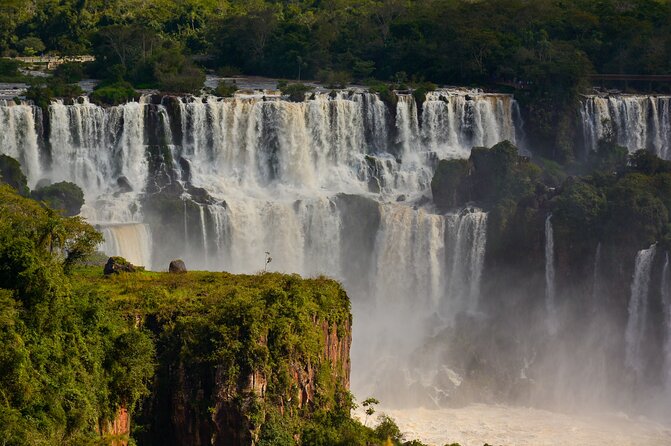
114, 94
69, 72
296, 92
30, 46
9, 68
226, 89
64, 196
11, 174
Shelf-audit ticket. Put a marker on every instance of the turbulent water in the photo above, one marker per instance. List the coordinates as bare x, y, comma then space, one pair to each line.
638, 310
550, 305
129, 240
635, 122
337, 185
666, 302
478, 424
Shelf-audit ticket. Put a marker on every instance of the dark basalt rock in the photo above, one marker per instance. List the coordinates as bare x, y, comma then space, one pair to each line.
123, 184
116, 265
177, 266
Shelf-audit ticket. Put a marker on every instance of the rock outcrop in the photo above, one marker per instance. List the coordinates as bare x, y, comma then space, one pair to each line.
177, 266
116, 265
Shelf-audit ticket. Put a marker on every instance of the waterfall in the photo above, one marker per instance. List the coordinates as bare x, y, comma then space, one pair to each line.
550, 304
636, 122
18, 138
466, 239
638, 311
596, 286
130, 241
334, 185
666, 302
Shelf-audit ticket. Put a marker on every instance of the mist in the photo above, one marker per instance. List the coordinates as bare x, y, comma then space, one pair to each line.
340, 186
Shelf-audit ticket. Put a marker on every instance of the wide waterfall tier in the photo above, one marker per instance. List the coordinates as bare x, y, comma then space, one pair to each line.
347, 142
636, 122
335, 185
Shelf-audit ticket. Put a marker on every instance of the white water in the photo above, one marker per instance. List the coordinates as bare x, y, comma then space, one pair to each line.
638, 311
477, 424
636, 122
550, 304
130, 241
94, 147
18, 137
666, 303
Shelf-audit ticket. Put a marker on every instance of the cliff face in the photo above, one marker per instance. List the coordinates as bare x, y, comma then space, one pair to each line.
204, 407
117, 431
233, 350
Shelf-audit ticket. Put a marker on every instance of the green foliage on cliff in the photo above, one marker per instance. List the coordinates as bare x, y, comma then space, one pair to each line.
114, 93
12, 175
225, 329
489, 177
62, 350
64, 196
621, 200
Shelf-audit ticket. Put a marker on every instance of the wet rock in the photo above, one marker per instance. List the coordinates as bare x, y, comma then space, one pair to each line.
116, 265
177, 266
123, 184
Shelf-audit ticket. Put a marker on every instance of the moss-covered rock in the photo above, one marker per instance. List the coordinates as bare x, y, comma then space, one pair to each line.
234, 352
12, 175
64, 196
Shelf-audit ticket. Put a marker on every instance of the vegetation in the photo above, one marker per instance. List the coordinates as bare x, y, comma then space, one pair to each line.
64, 196
44, 90
78, 345
295, 92
12, 175
591, 205
543, 48
9, 71
114, 94
62, 351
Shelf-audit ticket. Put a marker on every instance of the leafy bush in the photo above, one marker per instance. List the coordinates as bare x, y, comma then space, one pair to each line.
225, 88
296, 92
64, 196
30, 46
11, 174
69, 72
334, 79
42, 93
114, 94
9, 70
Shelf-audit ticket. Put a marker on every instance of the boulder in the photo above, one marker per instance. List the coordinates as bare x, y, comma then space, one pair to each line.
115, 265
177, 266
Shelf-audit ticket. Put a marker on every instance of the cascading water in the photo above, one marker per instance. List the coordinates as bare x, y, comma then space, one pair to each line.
550, 304
636, 122
666, 302
638, 311
18, 137
131, 241
332, 185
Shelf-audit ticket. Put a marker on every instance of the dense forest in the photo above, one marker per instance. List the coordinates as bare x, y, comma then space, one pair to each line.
544, 48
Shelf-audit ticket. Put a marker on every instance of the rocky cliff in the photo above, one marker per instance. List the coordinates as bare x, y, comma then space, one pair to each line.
232, 351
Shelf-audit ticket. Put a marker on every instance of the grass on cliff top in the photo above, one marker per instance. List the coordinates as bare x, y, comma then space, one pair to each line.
255, 321
164, 293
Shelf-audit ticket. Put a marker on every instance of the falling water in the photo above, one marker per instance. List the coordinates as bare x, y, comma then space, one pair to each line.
638, 311
333, 185
130, 241
550, 304
18, 137
636, 122
666, 302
